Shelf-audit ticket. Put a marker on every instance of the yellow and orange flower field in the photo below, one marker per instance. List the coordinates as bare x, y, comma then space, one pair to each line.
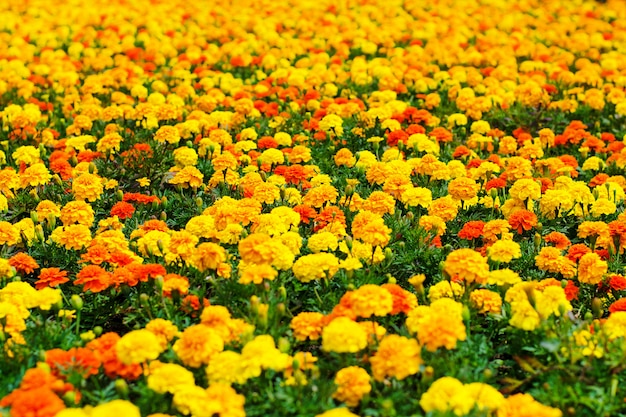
313, 208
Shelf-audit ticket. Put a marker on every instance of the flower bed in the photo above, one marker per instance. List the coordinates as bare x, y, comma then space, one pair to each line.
363, 208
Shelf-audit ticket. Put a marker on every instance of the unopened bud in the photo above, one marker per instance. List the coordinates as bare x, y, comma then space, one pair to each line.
77, 302
121, 387
596, 307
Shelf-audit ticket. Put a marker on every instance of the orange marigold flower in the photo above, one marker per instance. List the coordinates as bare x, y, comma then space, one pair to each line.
558, 239
577, 251
617, 282
93, 278
80, 361
472, 230
307, 325
51, 277
522, 220
123, 210
619, 305
403, 300
38, 402
571, 291
23, 262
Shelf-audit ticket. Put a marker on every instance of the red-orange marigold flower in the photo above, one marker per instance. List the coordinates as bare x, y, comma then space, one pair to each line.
51, 277
23, 262
123, 210
522, 220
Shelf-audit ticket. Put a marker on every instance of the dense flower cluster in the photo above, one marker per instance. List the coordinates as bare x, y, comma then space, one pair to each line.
315, 208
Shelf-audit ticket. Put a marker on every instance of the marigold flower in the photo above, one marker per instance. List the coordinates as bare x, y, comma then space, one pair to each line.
397, 357
22, 262
368, 300
438, 325
138, 346
197, 345
504, 251
307, 325
51, 277
522, 220
591, 268
123, 210
168, 377
343, 335
468, 265
352, 383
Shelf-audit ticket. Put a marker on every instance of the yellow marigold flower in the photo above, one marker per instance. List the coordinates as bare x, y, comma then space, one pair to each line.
74, 236
226, 367
380, 203
486, 301
615, 325
525, 188
343, 335
369, 300
27, 155
438, 325
352, 383
445, 289
34, 175
168, 377
496, 227
261, 353
201, 226
416, 196
185, 156
324, 241
165, 330
87, 187
116, 408
138, 346
446, 208
370, 228
155, 242
468, 265
168, 134
318, 196
337, 412
79, 212
316, 266
189, 176
447, 394
194, 400
551, 260
552, 300
197, 345
397, 357
463, 188
591, 268
332, 124
207, 256
307, 325
230, 403
602, 206
257, 274
504, 251
9, 234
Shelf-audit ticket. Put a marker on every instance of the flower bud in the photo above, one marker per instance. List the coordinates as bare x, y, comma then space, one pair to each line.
121, 387
596, 307
77, 302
